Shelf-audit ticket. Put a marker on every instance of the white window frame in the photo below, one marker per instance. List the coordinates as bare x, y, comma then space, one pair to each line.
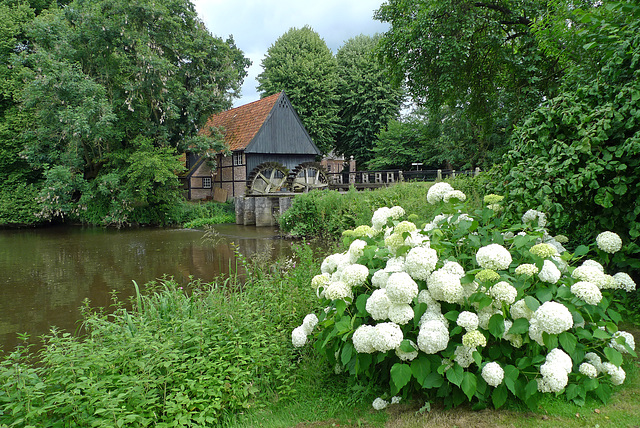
206, 182
237, 159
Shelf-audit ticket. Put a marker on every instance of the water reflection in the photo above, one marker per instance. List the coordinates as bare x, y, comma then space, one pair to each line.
45, 274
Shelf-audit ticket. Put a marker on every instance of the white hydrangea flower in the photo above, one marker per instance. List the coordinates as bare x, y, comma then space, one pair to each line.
549, 272
444, 286
493, 373
420, 262
474, 338
338, 290
408, 356
393, 242
594, 264
503, 292
589, 274
433, 316
397, 212
609, 242
405, 227
527, 269
454, 268
532, 216
354, 275
454, 194
330, 263
396, 400
587, 292
364, 230
401, 288
494, 256
378, 305
356, 250
298, 337
417, 239
380, 218
395, 264
535, 332
617, 373
463, 356
588, 370
594, 359
379, 278
468, 289
553, 317
628, 337
386, 336
485, 314
543, 250
625, 281
437, 191
558, 356
562, 265
554, 378
362, 339
425, 297
309, 323
400, 313
380, 404
468, 320
433, 337
608, 282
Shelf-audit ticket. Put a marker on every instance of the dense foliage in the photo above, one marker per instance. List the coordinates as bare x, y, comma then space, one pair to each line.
176, 359
301, 64
101, 95
366, 98
577, 156
476, 62
469, 307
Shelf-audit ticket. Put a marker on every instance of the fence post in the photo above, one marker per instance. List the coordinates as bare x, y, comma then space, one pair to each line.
439, 175
400, 176
477, 171
453, 173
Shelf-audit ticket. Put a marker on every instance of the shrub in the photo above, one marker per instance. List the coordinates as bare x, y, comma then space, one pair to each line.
471, 308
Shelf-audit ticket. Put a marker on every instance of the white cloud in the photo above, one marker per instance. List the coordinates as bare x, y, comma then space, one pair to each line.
256, 25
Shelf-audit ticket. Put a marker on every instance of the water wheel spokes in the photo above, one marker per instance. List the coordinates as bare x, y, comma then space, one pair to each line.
268, 177
308, 176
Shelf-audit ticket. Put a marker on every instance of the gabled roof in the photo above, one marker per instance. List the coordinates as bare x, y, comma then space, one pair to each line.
241, 124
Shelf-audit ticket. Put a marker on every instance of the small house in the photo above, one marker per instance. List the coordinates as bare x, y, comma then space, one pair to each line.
270, 150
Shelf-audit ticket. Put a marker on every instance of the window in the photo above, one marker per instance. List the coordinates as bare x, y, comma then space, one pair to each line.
237, 158
206, 182
328, 167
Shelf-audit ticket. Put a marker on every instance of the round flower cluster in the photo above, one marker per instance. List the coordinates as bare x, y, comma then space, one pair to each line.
380, 404
617, 373
552, 318
625, 281
555, 371
405, 226
454, 268
457, 194
550, 272
380, 218
380, 278
299, 334
378, 305
362, 339
433, 337
356, 250
588, 370
330, 263
420, 262
609, 242
487, 275
407, 356
437, 191
587, 292
594, 264
354, 275
562, 239
493, 256
520, 310
338, 290
474, 338
527, 269
401, 288
627, 337
493, 373
467, 320
492, 198
444, 286
589, 274
364, 231
321, 280
386, 336
400, 313
543, 250
503, 292
533, 216
463, 356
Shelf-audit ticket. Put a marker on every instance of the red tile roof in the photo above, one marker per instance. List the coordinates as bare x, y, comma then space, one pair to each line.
242, 123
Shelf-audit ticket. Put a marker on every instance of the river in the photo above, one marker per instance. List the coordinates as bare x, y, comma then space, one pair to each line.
46, 274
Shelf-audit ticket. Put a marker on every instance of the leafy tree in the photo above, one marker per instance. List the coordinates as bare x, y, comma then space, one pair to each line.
479, 59
366, 97
301, 64
577, 157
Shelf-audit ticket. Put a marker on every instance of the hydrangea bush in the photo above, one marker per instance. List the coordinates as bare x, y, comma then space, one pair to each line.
466, 307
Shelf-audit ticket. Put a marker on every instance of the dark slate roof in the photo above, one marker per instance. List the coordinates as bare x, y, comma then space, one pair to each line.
241, 124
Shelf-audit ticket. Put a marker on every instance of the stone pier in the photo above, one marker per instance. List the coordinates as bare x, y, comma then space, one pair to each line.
261, 211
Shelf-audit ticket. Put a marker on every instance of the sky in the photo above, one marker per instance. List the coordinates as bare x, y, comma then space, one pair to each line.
257, 24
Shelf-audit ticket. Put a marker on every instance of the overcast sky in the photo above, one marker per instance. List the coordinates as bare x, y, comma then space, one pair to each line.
257, 24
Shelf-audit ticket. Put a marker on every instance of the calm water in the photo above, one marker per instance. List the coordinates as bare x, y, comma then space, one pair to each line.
45, 274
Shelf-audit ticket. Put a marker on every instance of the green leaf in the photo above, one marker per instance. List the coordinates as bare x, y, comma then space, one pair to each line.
615, 316
601, 334
433, 380
614, 356
531, 302
581, 250
469, 384
544, 294
454, 374
347, 352
420, 369
496, 325
510, 376
550, 340
361, 303
568, 341
400, 375
531, 389
452, 315
499, 396
520, 326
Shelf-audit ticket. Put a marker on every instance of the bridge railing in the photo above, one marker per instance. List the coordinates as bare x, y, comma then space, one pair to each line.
381, 178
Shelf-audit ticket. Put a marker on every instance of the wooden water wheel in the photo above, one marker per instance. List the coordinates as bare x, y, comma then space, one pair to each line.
308, 176
268, 177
